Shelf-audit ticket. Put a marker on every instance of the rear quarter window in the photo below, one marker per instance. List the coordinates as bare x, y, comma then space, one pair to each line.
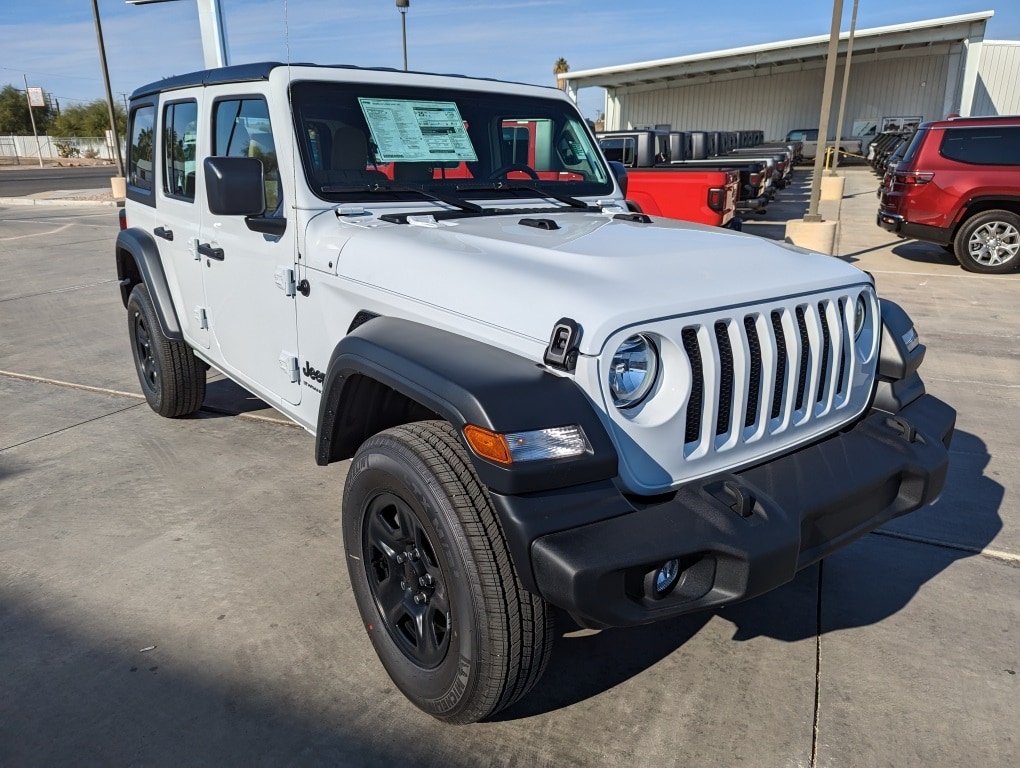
982, 145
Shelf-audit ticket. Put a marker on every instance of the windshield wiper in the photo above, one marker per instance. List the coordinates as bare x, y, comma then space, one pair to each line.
378, 187
517, 186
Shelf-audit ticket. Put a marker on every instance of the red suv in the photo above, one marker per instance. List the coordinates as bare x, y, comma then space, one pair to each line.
958, 185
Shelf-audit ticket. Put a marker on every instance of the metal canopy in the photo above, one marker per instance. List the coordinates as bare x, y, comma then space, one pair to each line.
802, 53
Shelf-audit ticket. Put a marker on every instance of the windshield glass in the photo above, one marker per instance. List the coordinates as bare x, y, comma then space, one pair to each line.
450, 143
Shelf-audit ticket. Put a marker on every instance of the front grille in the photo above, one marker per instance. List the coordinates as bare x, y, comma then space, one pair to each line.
796, 359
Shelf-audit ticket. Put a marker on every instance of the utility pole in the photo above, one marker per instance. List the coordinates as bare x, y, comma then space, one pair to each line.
846, 84
109, 94
812, 214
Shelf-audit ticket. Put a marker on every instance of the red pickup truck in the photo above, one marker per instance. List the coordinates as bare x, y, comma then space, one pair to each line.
703, 195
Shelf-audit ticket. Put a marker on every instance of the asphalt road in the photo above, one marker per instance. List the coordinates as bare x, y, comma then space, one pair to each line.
28, 180
173, 592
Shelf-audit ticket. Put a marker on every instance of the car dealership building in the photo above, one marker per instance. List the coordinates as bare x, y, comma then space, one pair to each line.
899, 75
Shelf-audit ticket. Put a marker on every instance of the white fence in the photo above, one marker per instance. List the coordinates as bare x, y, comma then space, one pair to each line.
54, 148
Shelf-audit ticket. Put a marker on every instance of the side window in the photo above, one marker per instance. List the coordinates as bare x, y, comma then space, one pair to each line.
987, 145
241, 128
179, 126
140, 148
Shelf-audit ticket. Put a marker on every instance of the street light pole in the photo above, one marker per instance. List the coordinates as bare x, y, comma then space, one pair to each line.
402, 6
812, 214
109, 93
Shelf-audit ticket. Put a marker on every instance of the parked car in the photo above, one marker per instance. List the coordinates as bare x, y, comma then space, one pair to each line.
958, 185
809, 137
705, 195
547, 401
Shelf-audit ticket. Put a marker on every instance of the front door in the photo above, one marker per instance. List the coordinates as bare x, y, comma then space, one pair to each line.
249, 275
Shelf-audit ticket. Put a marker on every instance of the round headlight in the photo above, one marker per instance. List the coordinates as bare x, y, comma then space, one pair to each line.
860, 315
633, 370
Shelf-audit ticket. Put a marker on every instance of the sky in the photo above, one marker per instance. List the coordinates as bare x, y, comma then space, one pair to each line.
53, 42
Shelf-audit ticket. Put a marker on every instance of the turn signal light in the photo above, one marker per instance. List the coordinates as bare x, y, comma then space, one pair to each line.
488, 445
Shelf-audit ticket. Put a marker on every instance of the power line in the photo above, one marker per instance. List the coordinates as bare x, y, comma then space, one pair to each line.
36, 73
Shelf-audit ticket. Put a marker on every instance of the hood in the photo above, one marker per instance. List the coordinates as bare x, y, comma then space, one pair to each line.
604, 273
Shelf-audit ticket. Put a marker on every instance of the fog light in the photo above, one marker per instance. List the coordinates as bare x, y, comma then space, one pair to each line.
666, 576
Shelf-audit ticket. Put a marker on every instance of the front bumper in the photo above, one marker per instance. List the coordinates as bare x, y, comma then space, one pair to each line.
736, 535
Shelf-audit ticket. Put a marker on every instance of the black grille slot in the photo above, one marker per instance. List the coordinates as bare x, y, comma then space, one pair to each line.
844, 348
696, 402
823, 374
782, 360
805, 350
754, 383
722, 338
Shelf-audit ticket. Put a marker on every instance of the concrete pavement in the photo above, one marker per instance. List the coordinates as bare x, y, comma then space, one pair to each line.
174, 592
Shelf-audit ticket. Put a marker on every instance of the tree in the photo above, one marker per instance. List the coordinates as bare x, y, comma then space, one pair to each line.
92, 119
560, 68
14, 117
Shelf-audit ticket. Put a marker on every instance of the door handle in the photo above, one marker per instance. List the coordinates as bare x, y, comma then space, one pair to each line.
166, 234
213, 253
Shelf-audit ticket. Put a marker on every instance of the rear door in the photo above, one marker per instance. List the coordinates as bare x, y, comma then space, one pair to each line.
178, 215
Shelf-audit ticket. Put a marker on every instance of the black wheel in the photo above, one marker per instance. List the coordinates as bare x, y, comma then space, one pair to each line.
454, 628
500, 173
172, 378
989, 242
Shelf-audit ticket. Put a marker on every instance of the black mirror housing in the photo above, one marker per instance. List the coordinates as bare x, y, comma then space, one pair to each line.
235, 186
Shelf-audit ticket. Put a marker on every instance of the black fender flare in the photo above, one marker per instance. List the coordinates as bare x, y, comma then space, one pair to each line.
464, 381
137, 246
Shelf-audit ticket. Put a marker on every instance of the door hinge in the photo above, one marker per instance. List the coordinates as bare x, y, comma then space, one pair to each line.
289, 366
285, 280
201, 318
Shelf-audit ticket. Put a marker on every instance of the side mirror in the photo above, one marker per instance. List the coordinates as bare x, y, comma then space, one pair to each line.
620, 172
235, 186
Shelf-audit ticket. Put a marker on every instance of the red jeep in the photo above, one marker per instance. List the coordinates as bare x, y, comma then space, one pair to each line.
958, 185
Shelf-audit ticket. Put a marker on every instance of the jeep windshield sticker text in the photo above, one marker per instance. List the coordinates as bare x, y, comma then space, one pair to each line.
417, 131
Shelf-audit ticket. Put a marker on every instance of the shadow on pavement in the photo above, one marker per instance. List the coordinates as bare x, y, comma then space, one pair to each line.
582, 667
924, 253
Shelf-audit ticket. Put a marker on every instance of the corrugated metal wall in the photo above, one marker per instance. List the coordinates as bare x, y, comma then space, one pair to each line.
996, 92
777, 102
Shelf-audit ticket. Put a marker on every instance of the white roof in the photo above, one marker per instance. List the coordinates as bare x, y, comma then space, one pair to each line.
917, 34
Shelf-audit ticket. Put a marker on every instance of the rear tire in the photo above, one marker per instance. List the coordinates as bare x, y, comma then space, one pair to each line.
171, 377
431, 572
989, 242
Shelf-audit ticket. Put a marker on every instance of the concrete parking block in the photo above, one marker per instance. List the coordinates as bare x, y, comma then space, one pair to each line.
919, 658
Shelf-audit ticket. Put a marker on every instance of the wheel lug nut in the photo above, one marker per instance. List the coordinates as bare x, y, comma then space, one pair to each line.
399, 559
426, 580
415, 554
421, 598
403, 584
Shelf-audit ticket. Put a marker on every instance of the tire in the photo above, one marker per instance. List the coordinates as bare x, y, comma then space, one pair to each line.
171, 377
989, 242
431, 573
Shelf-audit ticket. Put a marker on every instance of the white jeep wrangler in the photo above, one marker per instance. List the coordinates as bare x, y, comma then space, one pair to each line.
547, 400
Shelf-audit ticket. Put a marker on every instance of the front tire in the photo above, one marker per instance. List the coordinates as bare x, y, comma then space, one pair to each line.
989, 242
429, 566
171, 377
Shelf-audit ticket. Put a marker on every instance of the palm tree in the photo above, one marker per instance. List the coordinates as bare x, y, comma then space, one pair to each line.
559, 68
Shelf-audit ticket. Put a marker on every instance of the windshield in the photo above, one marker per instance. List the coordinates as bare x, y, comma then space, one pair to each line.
398, 141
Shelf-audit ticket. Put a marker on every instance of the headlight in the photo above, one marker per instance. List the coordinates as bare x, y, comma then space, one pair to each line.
633, 370
860, 315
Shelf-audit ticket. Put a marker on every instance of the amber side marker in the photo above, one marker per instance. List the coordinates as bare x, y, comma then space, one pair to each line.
489, 445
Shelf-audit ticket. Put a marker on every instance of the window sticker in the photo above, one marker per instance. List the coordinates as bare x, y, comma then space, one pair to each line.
417, 131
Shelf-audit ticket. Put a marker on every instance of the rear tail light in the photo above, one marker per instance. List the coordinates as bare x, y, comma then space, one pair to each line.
781, 165
122, 214
755, 179
919, 177
717, 198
